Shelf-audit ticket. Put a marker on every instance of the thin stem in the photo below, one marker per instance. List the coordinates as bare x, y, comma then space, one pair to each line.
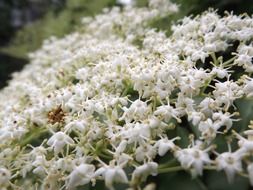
34, 135
210, 168
201, 184
167, 164
215, 168
105, 155
229, 61
207, 83
215, 60
171, 169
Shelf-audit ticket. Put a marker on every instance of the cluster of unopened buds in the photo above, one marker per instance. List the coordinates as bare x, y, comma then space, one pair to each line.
105, 103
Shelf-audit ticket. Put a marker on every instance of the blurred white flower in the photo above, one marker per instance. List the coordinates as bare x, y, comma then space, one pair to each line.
58, 141
125, 2
164, 145
112, 174
80, 175
142, 172
193, 158
5, 176
230, 163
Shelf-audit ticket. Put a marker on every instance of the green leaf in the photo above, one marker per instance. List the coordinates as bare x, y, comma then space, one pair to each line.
183, 133
245, 108
179, 181
218, 181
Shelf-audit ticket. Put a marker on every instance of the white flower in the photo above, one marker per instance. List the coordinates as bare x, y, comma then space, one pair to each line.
125, 2
245, 61
82, 74
136, 132
40, 164
164, 145
246, 145
142, 172
223, 119
64, 164
193, 158
207, 106
167, 112
208, 129
145, 151
5, 176
230, 163
248, 88
76, 125
226, 92
81, 175
151, 186
195, 117
163, 6
112, 174
58, 141
154, 122
220, 72
137, 110
121, 147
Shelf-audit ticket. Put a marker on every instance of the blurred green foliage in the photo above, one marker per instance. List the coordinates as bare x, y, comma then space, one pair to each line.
53, 24
5, 27
24, 11
9, 64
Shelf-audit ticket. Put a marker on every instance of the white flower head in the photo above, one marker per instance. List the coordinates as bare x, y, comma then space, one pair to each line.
119, 91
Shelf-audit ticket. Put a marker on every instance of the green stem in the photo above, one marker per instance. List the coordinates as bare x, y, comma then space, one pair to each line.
206, 85
105, 154
201, 184
229, 61
209, 167
180, 168
167, 164
171, 169
215, 168
34, 134
154, 103
215, 60
127, 90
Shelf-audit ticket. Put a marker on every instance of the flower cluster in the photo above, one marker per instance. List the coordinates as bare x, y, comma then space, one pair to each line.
105, 102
